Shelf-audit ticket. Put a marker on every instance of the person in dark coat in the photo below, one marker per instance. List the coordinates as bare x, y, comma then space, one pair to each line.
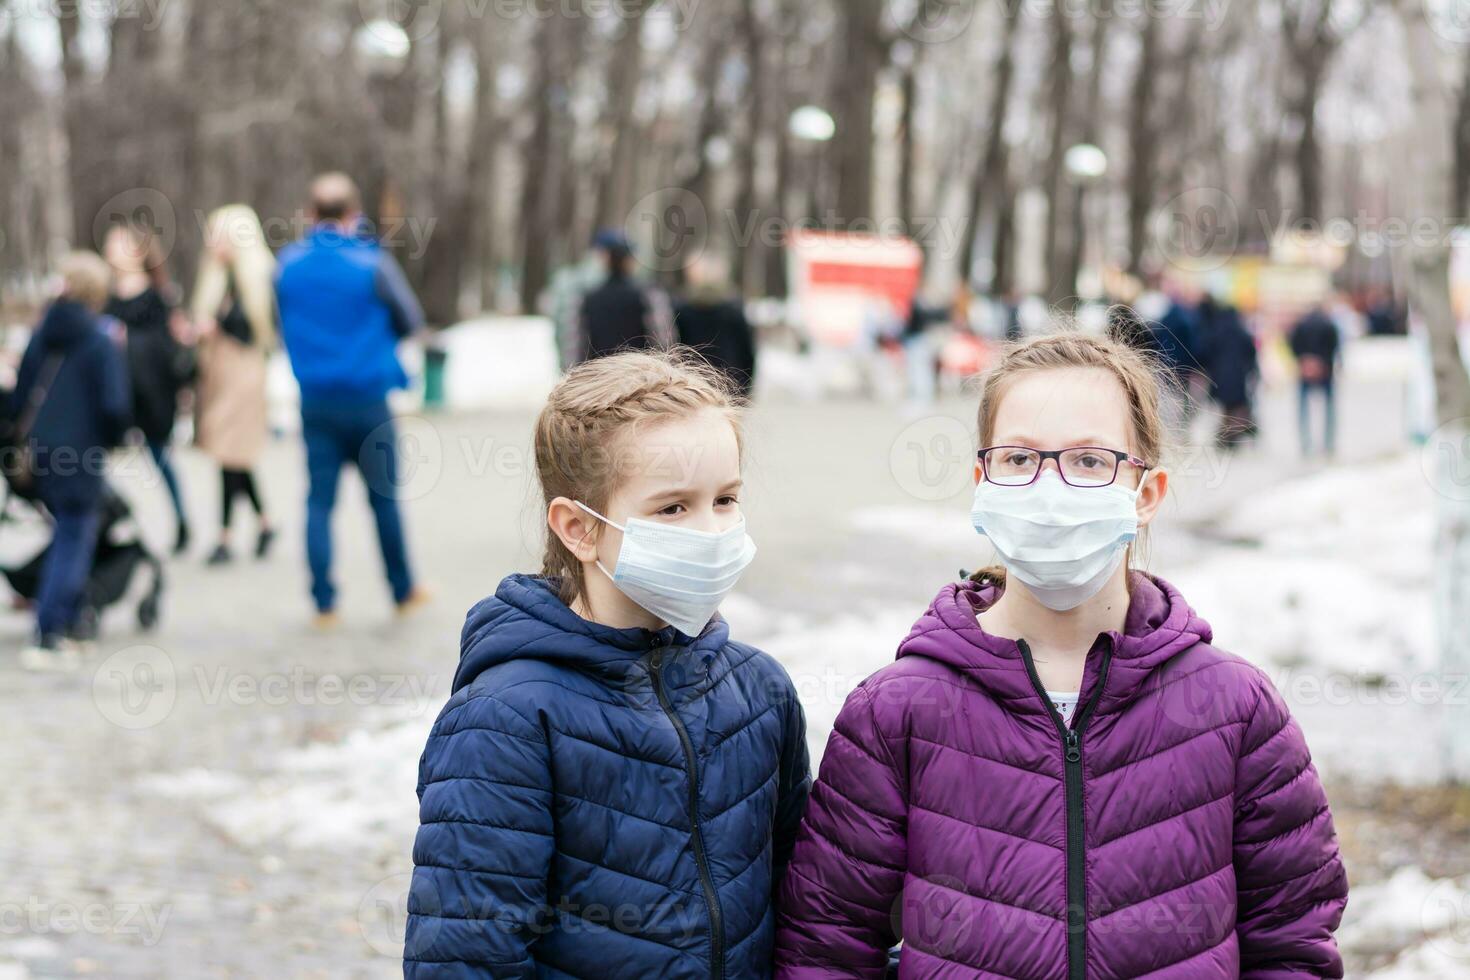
621, 314
158, 365
71, 399
1232, 368
711, 319
1317, 346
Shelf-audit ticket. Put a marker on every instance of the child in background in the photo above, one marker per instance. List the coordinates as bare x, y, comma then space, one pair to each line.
614, 787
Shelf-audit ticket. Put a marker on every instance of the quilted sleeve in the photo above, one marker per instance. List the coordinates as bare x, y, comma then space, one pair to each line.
838, 901
484, 847
1292, 888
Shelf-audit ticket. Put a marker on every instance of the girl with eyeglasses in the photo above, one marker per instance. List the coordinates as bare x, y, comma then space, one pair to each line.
1061, 776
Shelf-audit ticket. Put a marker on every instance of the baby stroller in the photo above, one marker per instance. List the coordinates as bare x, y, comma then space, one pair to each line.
119, 554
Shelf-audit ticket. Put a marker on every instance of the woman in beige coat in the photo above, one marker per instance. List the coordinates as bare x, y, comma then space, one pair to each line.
234, 311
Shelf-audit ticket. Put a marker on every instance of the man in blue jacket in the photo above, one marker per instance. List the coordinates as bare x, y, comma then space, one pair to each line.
344, 306
71, 404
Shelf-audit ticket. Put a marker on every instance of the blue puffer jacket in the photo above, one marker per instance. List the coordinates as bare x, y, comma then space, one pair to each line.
603, 803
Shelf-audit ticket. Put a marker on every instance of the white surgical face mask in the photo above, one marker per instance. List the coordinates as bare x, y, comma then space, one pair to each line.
677, 573
1062, 542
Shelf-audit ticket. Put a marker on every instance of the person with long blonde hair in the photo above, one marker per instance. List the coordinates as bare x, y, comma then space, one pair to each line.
234, 310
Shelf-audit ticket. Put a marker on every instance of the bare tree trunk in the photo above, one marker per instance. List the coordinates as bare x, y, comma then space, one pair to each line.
747, 250
1058, 289
1462, 142
1429, 292
625, 70
483, 256
1142, 143
988, 178
855, 94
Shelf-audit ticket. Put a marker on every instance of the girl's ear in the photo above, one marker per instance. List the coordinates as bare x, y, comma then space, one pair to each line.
978, 473
1151, 494
574, 528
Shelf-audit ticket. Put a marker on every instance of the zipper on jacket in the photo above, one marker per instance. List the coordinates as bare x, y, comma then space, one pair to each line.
701, 859
1076, 842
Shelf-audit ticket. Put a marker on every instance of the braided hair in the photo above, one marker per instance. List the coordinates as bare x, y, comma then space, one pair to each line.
582, 442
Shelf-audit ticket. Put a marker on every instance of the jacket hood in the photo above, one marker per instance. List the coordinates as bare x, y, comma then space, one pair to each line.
66, 324
1159, 625
526, 620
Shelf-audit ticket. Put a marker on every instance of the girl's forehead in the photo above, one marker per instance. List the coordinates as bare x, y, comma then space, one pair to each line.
683, 451
1064, 405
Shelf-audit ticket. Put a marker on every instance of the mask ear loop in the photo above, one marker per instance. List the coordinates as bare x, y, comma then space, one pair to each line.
609, 523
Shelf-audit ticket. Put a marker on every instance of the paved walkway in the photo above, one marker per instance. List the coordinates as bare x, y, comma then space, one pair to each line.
119, 859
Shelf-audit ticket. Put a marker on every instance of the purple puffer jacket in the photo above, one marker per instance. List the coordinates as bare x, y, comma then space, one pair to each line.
1181, 811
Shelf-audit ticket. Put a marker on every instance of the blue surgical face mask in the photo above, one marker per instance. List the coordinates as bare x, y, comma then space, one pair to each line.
677, 573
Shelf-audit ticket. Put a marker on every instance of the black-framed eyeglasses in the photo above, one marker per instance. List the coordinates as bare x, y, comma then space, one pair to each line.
1080, 466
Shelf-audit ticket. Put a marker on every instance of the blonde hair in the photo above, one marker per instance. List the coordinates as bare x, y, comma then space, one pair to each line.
1143, 381
86, 278
592, 412
251, 267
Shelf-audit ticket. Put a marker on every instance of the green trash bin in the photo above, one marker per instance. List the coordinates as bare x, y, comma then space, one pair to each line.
436, 359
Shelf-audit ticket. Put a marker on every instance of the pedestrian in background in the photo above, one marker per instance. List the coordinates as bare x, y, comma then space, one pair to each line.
1232, 368
234, 311
622, 313
160, 365
1316, 345
711, 319
344, 306
70, 405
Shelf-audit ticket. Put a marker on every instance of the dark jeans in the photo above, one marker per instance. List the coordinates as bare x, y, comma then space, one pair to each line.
362, 434
160, 453
66, 568
1329, 412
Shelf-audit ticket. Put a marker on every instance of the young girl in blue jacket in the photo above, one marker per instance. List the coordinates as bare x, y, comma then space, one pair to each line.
614, 787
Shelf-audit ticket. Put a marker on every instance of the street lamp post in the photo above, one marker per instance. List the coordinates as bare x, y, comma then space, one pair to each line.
1085, 165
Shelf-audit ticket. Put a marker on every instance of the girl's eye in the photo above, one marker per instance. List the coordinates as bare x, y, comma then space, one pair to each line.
1089, 461
672, 510
729, 500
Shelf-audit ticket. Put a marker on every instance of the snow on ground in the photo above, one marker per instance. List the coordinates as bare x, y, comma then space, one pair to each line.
1427, 918
341, 795
1331, 570
1325, 581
